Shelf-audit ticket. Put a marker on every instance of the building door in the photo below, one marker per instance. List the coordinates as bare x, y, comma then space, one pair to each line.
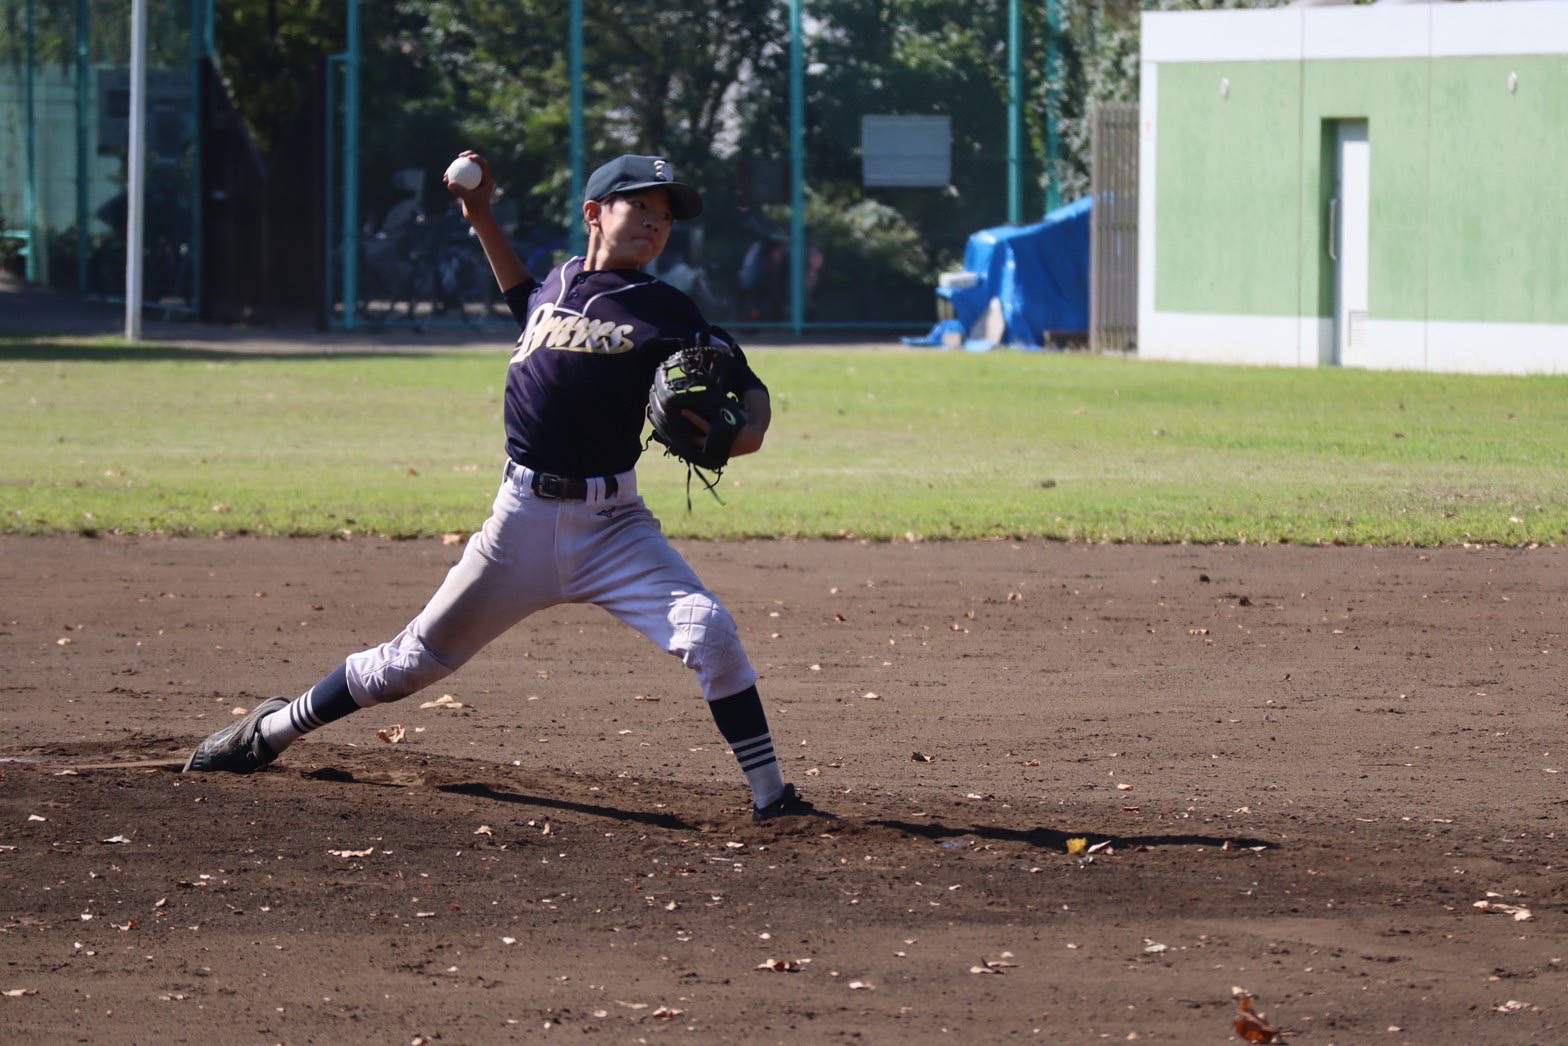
1349, 224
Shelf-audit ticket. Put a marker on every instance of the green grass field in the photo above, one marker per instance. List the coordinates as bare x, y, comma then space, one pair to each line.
101, 437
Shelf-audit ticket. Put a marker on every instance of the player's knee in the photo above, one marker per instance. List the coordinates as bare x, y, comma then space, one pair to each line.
394, 671
707, 640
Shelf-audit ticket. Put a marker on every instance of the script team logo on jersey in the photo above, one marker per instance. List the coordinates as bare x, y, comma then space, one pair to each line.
553, 328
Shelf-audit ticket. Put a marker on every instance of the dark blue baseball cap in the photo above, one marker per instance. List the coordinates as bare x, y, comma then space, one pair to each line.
635, 173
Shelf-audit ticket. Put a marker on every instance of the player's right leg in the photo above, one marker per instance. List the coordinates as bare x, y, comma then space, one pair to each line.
501, 578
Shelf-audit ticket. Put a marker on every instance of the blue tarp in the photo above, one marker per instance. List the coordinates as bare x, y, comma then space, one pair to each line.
1039, 273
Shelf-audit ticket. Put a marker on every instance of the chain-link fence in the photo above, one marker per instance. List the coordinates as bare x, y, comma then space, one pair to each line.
844, 160
846, 149
65, 94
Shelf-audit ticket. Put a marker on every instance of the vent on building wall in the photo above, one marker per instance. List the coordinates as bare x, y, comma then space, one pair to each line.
1356, 335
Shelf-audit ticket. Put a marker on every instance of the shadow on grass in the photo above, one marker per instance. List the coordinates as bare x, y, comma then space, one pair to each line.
114, 351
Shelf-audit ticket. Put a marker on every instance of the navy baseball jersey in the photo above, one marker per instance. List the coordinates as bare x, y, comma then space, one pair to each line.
578, 383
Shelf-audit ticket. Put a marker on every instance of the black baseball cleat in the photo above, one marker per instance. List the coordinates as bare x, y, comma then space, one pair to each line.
238, 748
789, 804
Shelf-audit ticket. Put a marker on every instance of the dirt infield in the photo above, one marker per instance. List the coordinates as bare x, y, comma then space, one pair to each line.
1294, 770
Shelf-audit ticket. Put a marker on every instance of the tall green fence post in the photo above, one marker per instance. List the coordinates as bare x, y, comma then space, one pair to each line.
29, 180
351, 169
83, 242
576, 235
1053, 22
1015, 113
797, 173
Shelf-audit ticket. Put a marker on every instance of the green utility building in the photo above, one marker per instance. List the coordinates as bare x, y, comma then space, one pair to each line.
1381, 186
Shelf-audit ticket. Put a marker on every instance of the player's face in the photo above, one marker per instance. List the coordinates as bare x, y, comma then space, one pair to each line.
634, 228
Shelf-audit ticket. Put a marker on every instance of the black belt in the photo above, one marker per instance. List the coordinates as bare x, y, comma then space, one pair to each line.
563, 488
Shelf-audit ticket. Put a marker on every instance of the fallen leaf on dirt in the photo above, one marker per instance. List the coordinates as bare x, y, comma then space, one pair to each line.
484, 829
453, 537
861, 986
645, 697
393, 734
444, 701
995, 965
1250, 1024
17, 993
665, 1013
115, 839
35, 817
779, 965
352, 853
509, 940
1103, 844
1520, 914
871, 695
921, 757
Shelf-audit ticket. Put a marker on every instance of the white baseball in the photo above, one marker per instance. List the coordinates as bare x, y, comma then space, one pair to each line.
464, 172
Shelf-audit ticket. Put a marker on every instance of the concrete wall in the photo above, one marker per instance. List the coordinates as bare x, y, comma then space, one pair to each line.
1465, 105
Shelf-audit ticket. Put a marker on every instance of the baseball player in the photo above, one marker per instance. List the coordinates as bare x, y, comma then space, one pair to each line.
567, 525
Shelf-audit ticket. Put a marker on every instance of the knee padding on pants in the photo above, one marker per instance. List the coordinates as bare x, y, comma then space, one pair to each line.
704, 636
395, 670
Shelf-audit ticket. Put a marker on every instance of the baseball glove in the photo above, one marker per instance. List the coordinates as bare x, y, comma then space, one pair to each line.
696, 377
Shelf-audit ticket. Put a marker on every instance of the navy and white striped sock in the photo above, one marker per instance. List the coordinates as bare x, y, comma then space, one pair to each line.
326, 702
743, 723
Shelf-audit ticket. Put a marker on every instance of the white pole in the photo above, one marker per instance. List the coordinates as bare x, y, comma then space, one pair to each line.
136, 169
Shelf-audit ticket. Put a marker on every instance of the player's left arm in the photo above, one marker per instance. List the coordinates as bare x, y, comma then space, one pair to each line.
757, 407
759, 415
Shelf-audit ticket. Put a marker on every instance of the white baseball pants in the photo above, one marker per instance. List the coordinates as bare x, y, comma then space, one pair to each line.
536, 552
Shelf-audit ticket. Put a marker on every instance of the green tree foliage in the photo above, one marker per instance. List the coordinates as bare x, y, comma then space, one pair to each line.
1098, 48
269, 52
656, 80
